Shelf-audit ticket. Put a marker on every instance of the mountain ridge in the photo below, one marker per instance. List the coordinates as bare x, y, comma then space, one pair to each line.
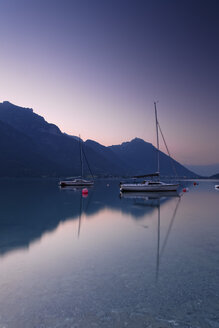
45, 151
204, 170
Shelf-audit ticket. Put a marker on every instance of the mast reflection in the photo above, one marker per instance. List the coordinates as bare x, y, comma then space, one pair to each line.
154, 200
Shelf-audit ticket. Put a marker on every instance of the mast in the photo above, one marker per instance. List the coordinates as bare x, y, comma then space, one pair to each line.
158, 151
81, 156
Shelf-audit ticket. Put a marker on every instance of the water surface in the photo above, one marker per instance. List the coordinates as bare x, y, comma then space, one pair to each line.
106, 260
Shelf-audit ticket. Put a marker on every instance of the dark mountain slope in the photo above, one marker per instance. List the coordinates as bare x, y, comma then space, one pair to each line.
26, 121
30, 146
59, 152
142, 156
19, 155
108, 157
215, 176
49, 141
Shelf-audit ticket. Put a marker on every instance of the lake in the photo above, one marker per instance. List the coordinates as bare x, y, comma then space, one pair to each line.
107, 260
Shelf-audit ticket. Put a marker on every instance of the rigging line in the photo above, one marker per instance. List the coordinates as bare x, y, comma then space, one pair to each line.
158, 147
88, 164
172, 160
81, 159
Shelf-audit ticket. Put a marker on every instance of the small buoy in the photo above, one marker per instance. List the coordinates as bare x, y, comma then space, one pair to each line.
107, 185
84, 191
195, 183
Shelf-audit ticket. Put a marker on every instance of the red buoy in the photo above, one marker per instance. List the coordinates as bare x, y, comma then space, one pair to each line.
195, 183
184, 189
84, 191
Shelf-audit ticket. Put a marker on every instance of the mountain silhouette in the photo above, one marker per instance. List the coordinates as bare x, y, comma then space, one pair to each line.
32, 147
143, 156
215, 176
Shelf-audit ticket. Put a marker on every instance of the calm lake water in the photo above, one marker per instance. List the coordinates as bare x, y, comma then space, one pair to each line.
105, 260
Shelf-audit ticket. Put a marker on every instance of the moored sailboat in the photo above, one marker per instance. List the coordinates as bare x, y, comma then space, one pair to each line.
151, 185
79, 181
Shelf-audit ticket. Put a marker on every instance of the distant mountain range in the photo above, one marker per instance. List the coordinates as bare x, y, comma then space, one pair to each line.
204, 170
215, 176
32, 147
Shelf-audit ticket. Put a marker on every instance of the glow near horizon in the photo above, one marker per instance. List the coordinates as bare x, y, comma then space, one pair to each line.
103, 85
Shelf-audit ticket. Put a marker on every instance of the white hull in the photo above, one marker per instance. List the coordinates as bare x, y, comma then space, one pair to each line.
147, 187
76, 183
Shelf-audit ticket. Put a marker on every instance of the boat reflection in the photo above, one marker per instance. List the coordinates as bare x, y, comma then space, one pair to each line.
160, 250
154, 200
28, 213
149, 195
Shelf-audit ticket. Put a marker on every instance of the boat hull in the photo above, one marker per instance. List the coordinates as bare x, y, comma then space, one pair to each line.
145, 187
82, 183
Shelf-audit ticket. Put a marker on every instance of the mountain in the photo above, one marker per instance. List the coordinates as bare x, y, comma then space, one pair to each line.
93, 150
19, 154
204, 170
30, 146
39, 143
215, 176
43, 148
142, 156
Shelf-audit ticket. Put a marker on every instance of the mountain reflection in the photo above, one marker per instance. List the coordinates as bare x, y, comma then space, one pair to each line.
30, 208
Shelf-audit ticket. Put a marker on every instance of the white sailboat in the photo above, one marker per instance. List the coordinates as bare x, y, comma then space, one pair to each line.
151, 185
78, 181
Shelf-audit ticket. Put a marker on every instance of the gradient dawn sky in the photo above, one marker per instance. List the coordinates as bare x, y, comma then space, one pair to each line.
95, 68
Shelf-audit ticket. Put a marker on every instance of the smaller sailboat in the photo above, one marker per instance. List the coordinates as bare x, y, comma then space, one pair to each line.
76, 182
151, 185
79, 181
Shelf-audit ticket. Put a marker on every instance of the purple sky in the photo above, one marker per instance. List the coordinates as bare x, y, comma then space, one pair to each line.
94, 68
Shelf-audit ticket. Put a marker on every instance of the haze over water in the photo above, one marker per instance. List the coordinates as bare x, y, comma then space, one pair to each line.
106, 260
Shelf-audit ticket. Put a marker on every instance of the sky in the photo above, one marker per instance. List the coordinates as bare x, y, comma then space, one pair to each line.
95, 68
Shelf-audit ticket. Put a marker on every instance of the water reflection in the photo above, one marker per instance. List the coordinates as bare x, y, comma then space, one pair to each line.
152, 201
31, 208
161, 251
110, 261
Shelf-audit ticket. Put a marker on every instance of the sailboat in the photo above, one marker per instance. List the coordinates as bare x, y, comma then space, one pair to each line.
78, 181
151, 185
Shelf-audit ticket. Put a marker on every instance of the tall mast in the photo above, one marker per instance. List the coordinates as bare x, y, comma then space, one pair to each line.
81, 156
158, 151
